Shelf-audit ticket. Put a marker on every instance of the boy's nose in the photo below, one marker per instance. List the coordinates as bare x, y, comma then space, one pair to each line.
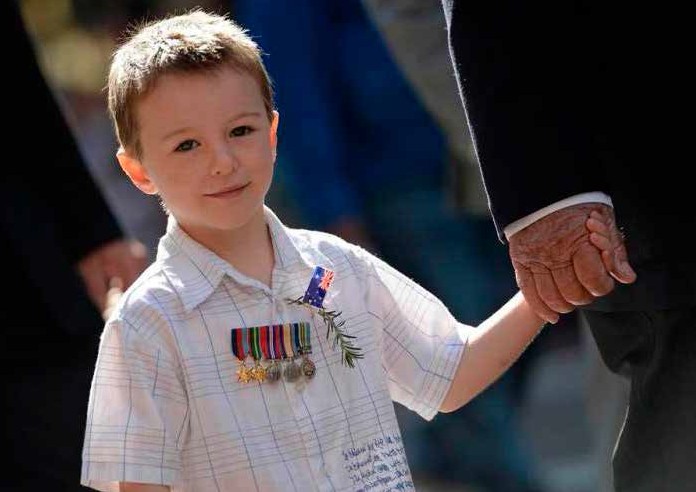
224, 161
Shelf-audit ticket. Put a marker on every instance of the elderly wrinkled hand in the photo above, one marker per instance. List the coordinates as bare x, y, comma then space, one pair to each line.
568, 258
110, 269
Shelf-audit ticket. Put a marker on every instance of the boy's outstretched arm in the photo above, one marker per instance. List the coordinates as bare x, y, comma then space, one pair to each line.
491, 350
499, 341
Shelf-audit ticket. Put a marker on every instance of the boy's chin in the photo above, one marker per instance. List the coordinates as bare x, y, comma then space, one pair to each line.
237, 222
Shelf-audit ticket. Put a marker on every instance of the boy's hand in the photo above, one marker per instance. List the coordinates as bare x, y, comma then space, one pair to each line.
608, 239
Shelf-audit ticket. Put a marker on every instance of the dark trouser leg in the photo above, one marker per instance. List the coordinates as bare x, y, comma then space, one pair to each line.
657, 448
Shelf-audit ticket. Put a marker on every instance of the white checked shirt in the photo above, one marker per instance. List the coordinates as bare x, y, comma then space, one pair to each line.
166, 407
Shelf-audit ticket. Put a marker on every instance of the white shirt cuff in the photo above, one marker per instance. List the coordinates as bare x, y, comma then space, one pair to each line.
590, 197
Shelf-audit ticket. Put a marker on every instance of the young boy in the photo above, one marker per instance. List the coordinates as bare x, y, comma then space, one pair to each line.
251, 356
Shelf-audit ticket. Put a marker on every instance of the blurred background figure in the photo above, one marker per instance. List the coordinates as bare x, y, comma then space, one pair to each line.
415, 33
75, 39
362, 159
62, 249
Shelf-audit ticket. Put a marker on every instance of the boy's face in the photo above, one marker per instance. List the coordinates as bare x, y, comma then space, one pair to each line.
208, 149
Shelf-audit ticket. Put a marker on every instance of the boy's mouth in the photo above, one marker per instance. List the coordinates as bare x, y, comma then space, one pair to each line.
229, 191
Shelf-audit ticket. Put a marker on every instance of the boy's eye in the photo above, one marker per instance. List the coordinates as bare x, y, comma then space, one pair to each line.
186, 145
240, 131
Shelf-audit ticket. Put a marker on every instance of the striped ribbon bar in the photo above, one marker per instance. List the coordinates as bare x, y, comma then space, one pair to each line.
280, 346
286, 337
305, 339
272, 342
240, 343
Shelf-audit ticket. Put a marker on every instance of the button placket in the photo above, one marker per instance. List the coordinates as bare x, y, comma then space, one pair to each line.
281, 312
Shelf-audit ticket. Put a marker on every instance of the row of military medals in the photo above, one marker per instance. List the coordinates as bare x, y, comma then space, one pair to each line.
275, 351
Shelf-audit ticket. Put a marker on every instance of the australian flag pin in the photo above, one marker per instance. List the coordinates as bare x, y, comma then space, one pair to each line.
318, 285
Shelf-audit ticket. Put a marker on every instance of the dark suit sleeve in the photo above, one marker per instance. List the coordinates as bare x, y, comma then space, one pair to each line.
527, 76
50, 163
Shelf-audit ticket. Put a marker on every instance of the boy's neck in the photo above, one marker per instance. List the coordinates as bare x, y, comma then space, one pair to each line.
248, 249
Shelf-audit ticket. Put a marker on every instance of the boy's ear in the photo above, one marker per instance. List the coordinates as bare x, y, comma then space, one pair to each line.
273, 134
136, 172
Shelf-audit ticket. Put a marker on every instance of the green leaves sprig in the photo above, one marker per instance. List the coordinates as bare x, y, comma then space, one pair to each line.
349, 352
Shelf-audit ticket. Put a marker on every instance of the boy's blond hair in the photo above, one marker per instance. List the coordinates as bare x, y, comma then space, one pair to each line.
190, 43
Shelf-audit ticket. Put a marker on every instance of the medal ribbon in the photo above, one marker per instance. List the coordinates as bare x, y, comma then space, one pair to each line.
287, 340
305, 338
297, 347
240, 345
277, 342
245, 342
263, 339
254, 343
273, 342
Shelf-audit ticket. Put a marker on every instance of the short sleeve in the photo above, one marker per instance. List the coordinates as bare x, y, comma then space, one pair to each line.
422, 343
138, 414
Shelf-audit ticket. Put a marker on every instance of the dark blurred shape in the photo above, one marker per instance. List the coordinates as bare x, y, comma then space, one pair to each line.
568, 98
105, 12
51, 217
90, 13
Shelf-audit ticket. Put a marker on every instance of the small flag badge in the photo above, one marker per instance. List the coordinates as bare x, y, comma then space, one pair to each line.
314, 298
318, 285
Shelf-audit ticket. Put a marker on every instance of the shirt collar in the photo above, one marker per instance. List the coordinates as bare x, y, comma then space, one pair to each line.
195, 271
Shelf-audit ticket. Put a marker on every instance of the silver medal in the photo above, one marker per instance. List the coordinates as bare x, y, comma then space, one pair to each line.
273, 372
292, 372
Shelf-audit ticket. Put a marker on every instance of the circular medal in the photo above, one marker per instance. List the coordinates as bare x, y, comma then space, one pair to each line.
292, 372
308, 368
273, 372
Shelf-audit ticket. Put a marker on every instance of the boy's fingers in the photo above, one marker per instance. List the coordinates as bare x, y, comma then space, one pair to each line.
600, 216
594, 225
605, 236
591, 271
602, 242
623, 272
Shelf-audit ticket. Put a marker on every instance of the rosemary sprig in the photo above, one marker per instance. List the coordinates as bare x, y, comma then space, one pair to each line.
349, 352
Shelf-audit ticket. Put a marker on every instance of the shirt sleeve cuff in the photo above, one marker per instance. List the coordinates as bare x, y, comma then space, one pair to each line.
107, 476
442, 373
590, 197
